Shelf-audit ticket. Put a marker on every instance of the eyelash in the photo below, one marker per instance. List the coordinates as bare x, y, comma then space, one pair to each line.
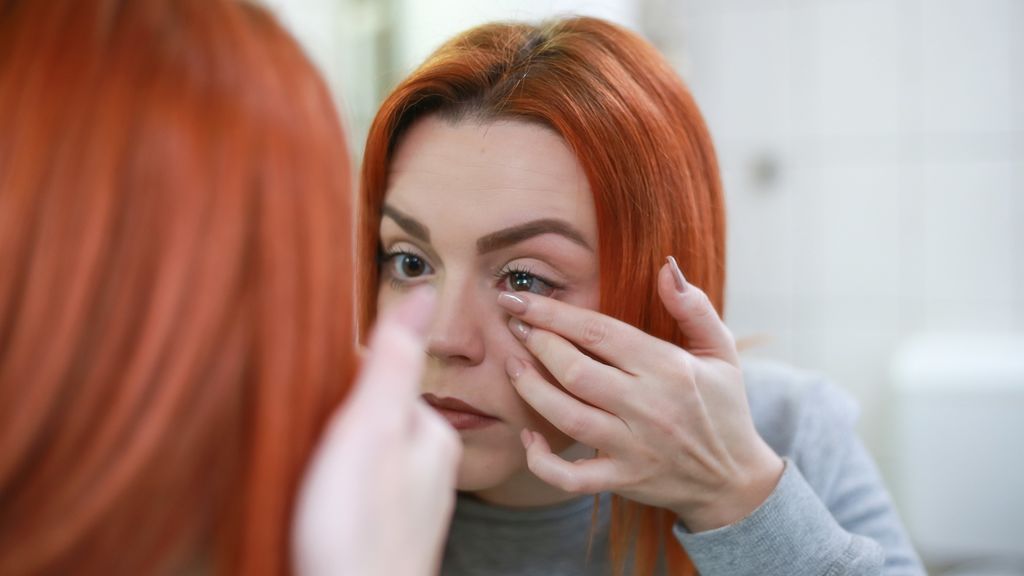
386, 256
510, 269
505, 272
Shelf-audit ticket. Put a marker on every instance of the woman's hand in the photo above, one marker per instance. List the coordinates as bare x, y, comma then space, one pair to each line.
379, 492
672, 427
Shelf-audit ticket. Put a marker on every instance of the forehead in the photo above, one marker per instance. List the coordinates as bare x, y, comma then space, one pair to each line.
488, 173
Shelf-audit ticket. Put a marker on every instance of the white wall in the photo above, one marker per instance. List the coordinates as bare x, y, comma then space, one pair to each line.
424, 24
898, 130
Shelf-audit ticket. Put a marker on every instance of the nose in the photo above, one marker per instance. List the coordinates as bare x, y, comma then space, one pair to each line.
455, 336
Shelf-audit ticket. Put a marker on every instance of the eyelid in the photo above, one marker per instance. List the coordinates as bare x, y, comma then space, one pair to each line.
512, 266
404, 249
412, 247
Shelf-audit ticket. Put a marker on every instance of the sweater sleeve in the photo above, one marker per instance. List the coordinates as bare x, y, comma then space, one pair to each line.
830, 513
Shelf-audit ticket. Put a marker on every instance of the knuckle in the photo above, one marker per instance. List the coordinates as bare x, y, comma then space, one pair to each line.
727, 332
575, 426
573, 484
682, 438
593, 332
575, 374
543, 315
682, 365
665, 425
702, 306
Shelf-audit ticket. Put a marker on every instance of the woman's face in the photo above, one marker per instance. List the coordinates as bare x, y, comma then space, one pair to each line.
476, 209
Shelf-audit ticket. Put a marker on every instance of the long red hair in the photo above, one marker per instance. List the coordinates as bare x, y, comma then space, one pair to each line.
175, 285
646, 152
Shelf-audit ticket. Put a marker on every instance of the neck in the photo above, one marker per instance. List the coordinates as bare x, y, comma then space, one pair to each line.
524, 490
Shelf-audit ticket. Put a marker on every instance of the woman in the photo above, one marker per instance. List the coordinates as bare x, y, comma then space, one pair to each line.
175, 310
538, 177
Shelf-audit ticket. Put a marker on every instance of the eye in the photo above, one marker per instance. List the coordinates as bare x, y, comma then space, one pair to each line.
523, 281
403, 266
410, 265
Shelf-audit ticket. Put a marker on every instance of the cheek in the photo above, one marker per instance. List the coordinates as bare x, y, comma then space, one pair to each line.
521, 414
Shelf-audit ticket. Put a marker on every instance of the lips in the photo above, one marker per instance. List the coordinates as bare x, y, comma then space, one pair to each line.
460, 414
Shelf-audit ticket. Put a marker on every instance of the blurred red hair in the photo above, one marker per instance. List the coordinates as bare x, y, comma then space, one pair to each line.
175, 290
647, 154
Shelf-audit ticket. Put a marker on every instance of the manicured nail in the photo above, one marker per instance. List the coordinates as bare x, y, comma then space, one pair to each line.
677, 274
514, 367
519, 328
526, 437
512, 303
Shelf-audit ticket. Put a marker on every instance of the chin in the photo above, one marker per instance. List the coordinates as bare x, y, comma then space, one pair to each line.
483, 469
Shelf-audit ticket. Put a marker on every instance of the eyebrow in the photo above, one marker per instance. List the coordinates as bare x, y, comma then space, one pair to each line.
413, 227
521, 232
495, 240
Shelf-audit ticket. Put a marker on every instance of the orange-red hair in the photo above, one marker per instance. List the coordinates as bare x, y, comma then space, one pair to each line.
175, 285
646, 152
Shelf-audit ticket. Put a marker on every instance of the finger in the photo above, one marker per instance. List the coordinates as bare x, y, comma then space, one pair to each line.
436, 439
580, 477
587, 424
432, 459
697, 318
607, 338
593, 382
390, 377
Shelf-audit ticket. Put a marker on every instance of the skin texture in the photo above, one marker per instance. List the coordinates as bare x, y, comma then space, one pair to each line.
672, 427
463, 182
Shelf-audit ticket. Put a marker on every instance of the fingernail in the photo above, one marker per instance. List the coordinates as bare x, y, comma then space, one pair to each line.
519, 328
514, 367
677, 274
526, 437
512, 303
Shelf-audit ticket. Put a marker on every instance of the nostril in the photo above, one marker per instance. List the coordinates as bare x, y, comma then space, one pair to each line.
463, 350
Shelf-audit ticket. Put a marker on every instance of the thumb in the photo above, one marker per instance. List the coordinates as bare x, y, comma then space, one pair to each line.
696, 316
393, 363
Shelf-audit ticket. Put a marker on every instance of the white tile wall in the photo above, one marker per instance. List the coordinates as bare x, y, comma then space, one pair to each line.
968, 245
765, 214
746, 96
424, 24
859, 66
966, 63
1017, 64
861, 229
1017, 209
898, 126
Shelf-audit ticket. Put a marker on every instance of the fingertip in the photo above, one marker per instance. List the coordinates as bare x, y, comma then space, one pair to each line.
514, 367
526, 437
417, 309
667, 286
540, 441
392, 363
677, 275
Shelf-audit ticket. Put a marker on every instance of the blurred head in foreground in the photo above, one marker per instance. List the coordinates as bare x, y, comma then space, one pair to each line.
175, 269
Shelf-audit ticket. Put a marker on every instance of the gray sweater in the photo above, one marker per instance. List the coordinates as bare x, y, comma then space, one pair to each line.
829, 515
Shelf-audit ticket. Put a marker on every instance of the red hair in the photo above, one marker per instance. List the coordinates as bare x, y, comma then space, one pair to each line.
647, 155
175, 292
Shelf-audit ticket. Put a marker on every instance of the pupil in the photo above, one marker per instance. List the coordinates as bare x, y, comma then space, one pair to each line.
412, 266
521, 281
